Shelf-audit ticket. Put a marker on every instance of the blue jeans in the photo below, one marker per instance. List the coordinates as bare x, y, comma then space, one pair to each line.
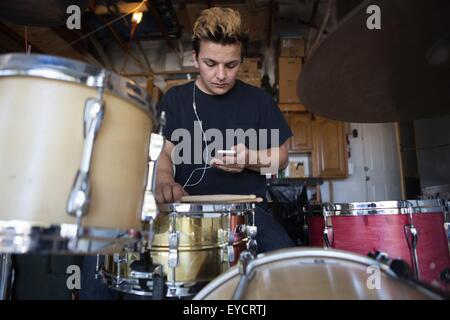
92, 288
270, 234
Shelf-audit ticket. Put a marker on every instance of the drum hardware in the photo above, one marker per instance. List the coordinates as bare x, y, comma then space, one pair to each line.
403, 271
398, 266
118, 261
150, 276
144, 278
149, 210
80, 195
327, 230
226, 238
174, 239
414, 238
245, 273
97, 266
378, 255
306, 231
173, 259
446, 205
190, 249
445, 275
6, 276
252, 231
230, 242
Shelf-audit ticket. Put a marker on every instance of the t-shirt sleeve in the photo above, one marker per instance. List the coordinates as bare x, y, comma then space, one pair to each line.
272, 118
167, 104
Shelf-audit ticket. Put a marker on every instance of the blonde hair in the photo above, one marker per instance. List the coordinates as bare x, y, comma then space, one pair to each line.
219, 25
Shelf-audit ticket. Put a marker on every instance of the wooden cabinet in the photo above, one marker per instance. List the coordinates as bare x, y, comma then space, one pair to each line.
329, 153
324, 139
292, 107
301, 126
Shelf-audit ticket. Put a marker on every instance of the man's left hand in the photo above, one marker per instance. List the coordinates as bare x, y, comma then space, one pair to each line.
232, 163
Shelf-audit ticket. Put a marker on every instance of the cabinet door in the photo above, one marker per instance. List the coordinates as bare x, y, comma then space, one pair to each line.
292, 107
300, 124
329, 156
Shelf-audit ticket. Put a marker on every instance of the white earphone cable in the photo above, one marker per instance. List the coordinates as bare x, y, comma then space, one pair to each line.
206, 167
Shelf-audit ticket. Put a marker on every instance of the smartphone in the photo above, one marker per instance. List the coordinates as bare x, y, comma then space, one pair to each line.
226, 152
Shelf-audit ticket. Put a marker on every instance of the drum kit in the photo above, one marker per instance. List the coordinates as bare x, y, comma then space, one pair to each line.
78, 151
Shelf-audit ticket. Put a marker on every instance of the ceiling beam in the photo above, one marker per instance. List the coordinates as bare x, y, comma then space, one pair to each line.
154, 11
120, 41
123, 8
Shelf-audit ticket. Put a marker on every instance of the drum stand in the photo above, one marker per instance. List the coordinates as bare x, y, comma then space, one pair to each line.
6, 275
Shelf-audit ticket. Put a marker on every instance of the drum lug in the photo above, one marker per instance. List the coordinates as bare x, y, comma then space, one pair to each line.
6, 276
246, 273
413, 246
173, 248
252, 244
327, 229
149, 210
414, 238
327, 235
226, 240
118, 260
79, 197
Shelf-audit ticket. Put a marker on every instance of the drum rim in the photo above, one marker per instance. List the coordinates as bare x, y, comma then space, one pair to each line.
62, 238
292, 253
286, 254
70, 70
375, 207
210, 209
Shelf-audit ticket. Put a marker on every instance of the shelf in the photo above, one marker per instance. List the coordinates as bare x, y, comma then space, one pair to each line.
310, 181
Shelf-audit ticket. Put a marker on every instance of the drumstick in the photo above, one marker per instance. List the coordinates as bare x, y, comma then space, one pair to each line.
220, 198
256, 200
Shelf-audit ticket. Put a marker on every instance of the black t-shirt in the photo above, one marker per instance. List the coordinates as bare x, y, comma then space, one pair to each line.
243, 107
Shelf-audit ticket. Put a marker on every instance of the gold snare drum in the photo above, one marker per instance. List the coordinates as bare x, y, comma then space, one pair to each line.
193, 244
69, 128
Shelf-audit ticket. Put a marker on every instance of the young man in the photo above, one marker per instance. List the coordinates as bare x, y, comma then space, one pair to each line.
216, 112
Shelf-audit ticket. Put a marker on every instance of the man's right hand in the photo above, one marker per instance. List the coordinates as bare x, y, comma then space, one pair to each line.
169, 192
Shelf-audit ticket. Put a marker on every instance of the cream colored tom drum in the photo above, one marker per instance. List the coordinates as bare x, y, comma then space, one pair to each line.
74, 145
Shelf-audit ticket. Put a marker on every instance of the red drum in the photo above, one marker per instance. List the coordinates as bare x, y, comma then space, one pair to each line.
411, 230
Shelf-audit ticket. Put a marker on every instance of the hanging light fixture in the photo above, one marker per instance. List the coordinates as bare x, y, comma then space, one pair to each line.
136, 17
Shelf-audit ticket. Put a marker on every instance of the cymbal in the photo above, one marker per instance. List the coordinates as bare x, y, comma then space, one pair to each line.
398, 73
42, 13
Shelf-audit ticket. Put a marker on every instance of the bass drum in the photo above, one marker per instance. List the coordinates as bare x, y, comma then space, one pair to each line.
326, 274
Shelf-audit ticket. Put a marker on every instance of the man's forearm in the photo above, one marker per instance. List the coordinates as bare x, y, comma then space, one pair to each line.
164, 170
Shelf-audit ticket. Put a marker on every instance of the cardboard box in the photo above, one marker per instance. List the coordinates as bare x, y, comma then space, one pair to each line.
252, 78
257, 21
292, 47
296, 169
289, 70
249, 65
292, 107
